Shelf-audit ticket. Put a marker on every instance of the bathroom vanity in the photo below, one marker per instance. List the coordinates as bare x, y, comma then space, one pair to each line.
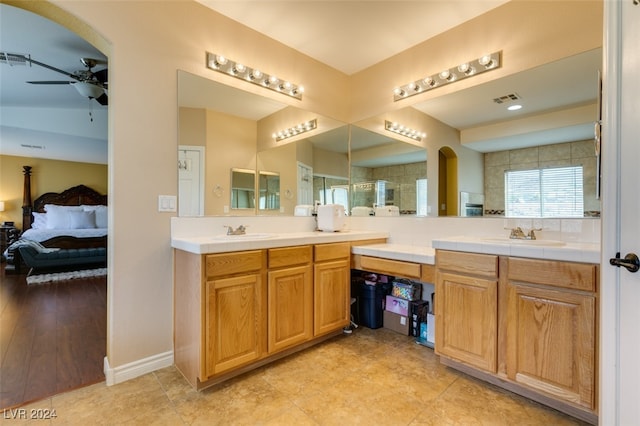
526, 324
241, 303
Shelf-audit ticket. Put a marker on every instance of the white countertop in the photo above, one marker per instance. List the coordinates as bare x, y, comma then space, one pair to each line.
537, 249
222, 243
408, 253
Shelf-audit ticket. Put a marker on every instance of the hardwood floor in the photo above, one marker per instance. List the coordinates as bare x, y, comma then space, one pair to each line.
52, 337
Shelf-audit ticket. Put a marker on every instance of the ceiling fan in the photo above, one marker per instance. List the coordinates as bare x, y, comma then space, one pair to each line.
90, 84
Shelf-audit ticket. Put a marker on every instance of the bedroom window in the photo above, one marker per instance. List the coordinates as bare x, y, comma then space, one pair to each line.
551, 192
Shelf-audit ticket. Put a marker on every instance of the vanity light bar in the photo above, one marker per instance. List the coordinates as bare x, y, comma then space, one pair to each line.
252, 75
404, 131
477, 66
296, 130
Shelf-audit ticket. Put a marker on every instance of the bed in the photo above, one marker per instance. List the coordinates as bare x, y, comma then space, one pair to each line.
72, 219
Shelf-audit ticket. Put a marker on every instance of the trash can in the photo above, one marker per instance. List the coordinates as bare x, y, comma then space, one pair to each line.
371, 303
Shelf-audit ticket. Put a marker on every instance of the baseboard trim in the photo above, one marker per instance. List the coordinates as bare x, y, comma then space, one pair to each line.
136, 368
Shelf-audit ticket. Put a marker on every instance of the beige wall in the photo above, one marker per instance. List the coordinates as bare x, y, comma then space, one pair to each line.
147, 42
46, 176
231, 143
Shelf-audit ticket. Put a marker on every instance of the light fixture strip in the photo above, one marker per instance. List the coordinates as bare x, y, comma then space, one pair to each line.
296, 130
253, 75
468, 69
404, 131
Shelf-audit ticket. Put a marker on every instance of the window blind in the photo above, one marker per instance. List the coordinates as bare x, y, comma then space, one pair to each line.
552, 192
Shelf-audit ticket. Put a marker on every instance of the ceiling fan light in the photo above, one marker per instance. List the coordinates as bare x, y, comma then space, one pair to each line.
88, 90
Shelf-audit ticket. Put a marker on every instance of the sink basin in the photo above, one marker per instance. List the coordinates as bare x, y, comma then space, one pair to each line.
548, 243
244, 237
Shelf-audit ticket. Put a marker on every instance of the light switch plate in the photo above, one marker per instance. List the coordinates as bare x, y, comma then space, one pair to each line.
167, 203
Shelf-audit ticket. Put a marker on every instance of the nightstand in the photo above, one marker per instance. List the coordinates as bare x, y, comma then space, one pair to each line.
8, 235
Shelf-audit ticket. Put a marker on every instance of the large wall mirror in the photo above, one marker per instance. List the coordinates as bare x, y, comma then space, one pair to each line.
552, 130
230, 160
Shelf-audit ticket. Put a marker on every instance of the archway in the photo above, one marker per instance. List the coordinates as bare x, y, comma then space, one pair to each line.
447, 182
60, 17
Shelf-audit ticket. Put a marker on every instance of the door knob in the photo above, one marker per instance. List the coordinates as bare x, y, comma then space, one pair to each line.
630, 261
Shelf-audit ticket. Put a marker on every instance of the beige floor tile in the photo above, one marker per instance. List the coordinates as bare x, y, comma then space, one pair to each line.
105, 405
369, 377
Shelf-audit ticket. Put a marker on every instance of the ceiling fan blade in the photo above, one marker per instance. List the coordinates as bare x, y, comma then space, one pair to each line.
101, 75
103, 99
50, 82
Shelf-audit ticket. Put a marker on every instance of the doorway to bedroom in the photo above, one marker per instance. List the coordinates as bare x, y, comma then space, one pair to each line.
52, 333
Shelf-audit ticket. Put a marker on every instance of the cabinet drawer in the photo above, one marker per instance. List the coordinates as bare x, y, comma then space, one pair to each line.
577, 276
289, 256
332, 251
485, 265
391, 267
234, 263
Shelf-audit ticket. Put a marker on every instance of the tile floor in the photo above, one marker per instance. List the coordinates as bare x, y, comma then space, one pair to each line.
372, 377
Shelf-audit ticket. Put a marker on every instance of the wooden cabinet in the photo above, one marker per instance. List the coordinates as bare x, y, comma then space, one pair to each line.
332, 287
233, 313
236, 311
290, 305
551, 328
528, 325
467, 308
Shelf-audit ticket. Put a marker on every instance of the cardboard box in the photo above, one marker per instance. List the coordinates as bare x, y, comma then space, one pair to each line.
397, 305
396, 322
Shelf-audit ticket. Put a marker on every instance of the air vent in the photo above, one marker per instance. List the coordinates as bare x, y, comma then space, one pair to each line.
506, 98
13, 59
29, 146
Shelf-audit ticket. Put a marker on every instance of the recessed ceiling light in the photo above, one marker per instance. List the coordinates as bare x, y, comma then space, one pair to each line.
514, 107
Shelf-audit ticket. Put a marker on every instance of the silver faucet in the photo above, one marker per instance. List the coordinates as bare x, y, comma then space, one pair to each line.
518, 234
241, 230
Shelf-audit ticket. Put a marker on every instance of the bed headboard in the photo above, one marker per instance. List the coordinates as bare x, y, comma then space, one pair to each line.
75, 196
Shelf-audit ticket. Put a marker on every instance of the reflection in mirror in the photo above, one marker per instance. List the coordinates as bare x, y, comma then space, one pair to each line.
268, 190
234, 129
222, 122
243, 182
553, 128
331, 190
387, 172
323, 154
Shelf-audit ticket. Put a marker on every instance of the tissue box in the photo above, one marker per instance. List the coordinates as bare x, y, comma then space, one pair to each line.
395, 322
406, 290
431, 328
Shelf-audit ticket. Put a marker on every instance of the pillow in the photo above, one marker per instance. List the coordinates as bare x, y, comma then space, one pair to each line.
39, 221
101, 215
81, 219
50, 207
57, 219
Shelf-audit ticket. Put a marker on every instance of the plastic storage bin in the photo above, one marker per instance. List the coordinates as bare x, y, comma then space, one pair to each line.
371, 304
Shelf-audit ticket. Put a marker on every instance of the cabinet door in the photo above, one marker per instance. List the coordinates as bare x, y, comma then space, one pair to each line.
332, 300
290, 307
467, 319
233, 322
551, 341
